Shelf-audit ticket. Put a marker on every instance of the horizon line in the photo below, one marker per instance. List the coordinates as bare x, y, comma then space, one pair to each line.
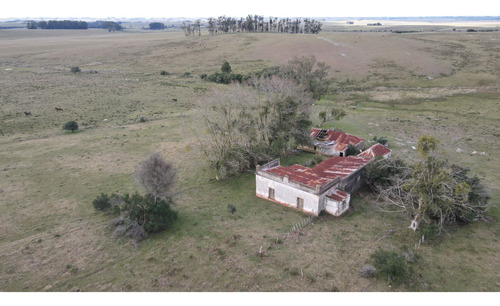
205, 17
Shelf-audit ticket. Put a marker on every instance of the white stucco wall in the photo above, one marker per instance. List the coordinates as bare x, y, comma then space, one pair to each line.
287, 195
336, 208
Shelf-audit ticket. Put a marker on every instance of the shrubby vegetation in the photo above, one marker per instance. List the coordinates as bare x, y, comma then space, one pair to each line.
225, 76
247, 125
143, 214
304, 71
263, 118
153, 214
102, 202
382, 140
110, 25
392, 265
70, 126
432, 192
335, 114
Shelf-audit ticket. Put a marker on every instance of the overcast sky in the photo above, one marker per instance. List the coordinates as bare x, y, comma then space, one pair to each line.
214, 8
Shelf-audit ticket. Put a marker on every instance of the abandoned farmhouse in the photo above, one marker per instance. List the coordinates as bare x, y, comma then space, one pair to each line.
328, 185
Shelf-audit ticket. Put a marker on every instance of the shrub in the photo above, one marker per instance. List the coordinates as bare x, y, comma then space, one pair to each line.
153, 216
163, 72
382, 140
70, 126
203, 76
102, 202
186, 74
143, 119
226, 68
351, 150
75, 69
392, 265
231, 208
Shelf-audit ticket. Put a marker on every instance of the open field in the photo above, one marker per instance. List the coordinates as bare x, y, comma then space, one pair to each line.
397, 85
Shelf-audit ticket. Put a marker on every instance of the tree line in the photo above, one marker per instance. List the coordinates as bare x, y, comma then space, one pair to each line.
57, 24
256, 23
110, 25
74, 25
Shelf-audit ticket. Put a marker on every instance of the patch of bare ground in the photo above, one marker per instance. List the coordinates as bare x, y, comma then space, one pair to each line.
354, 54
407, 95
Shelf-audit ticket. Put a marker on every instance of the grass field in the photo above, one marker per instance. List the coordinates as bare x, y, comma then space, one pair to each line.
395, 85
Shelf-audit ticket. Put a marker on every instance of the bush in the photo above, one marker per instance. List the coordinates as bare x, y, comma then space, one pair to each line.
382, 140
231, 208
226, 68
391, 265
143, 119
153, 216
102, 202
203, 76
70, 126
75, 69
351, 150
163, 72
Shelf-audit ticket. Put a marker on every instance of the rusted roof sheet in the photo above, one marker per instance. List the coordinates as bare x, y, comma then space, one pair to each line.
341, 139
376, 150
340, 166
300, 174
337, 195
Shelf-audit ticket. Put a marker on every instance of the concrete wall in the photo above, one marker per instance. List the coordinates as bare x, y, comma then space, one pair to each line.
336, 208
353, 182
287, 195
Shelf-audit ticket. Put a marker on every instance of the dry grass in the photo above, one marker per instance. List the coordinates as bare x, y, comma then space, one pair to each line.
52, 239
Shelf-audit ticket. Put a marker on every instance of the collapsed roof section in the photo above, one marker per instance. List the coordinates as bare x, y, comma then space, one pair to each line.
340, 141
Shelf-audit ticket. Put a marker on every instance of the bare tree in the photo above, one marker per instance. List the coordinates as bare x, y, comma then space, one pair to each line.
157, 176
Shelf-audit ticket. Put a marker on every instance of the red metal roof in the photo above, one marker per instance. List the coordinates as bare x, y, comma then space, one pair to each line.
341, 166
337, 195
300, 174
342, 140
376, 150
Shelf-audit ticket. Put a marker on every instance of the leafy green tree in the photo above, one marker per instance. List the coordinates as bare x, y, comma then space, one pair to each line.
70, 126
309, 73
